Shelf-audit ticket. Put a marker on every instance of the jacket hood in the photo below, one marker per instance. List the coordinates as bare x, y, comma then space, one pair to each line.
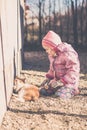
51, 40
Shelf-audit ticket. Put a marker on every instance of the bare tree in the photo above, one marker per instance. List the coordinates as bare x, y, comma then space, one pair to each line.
43, 21
49, 14
81, 21
74, 13
40, 19
86, 22
67, 14
61, 30
54, 15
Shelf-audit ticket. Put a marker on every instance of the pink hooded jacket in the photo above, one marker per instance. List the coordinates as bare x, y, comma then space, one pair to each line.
65, 66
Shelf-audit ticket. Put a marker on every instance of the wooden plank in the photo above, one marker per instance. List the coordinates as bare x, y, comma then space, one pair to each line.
10, 52
2, 85
7, 47
12, 42
9, 36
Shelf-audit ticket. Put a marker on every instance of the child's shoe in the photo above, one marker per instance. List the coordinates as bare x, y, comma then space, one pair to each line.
65, 92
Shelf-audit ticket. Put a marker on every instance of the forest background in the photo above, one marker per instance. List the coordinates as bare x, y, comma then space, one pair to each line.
65, 17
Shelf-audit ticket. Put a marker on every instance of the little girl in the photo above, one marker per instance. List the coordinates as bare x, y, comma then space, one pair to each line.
64, 65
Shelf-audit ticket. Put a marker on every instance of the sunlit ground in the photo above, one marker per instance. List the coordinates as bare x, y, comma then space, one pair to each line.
47, 112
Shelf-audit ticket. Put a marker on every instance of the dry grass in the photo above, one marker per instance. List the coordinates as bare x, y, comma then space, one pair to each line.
47, 112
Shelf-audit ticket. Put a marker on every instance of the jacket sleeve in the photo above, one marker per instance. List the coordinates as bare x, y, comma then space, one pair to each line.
50, 73
72, 68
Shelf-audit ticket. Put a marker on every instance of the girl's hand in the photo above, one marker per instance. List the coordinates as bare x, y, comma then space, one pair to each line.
46, 81
53, 83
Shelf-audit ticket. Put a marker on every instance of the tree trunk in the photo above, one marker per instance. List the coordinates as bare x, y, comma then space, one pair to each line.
74, 13
82, 22
68, 23
40, 35
49, 14
54, 16
61, 30
86, 23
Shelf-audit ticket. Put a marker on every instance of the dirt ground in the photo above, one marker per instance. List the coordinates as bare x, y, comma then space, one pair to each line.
47, 113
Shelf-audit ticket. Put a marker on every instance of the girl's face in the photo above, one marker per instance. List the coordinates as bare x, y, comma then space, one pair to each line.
49, 51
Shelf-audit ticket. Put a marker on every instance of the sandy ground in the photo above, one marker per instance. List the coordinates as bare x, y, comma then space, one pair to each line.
47, 113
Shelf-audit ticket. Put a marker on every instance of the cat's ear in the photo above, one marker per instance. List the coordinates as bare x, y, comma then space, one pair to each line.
24, 79
21, 79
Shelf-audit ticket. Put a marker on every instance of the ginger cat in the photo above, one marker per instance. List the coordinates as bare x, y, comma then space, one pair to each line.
26, 92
